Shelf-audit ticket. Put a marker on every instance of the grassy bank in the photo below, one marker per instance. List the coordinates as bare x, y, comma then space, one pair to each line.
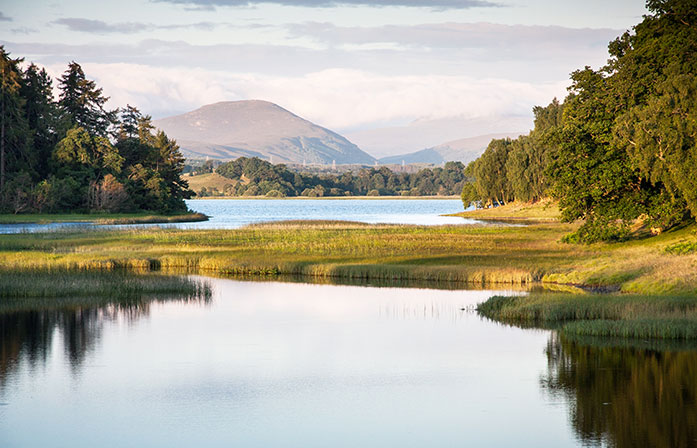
478, 255
604, 315
99, 218
543, 211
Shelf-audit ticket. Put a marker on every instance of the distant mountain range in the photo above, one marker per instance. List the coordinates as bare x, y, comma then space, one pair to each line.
254, 128
420, 134
463, 150
231, 129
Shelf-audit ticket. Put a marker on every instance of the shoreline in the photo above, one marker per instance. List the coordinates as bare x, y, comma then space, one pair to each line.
99, 218
324, 198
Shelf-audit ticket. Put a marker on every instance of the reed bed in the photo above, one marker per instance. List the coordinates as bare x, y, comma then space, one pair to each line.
154, 219
116, 285
479, 255
607, 315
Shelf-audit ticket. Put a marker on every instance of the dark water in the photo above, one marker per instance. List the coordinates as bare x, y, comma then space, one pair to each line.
299, 365
233, 213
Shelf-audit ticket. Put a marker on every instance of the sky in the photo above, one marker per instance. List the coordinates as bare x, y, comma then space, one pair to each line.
351, 65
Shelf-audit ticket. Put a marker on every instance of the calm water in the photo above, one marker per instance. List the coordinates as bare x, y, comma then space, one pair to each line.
300, 365
233, 213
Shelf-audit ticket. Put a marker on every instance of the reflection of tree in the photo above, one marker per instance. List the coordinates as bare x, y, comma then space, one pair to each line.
627, 397
26, 337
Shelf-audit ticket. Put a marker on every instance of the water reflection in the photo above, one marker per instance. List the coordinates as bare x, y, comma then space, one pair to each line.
27, 337
625, 396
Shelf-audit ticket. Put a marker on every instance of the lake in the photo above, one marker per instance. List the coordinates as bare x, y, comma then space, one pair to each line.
233, 213
271, 364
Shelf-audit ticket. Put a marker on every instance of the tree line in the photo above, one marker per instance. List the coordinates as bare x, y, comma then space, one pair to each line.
256, 177
73, 154
622, 145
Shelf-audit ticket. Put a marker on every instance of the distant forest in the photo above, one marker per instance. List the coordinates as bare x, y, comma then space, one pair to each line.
622, 145
73, 155
256, 177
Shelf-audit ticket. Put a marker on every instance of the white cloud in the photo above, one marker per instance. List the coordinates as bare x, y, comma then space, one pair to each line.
336, 98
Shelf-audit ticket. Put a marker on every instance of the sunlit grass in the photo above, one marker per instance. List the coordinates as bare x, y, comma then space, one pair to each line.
606, 315
480, 255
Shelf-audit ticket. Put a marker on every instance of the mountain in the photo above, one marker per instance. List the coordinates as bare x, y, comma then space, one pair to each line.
463, 150
420, 134
231, 129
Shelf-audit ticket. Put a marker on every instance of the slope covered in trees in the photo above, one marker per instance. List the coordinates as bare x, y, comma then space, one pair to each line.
72, 154
622, 147
256, 177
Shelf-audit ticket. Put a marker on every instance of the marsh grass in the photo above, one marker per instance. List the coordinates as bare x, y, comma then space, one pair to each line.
608, 315
477, 255
101, 218
153, 219
18, 286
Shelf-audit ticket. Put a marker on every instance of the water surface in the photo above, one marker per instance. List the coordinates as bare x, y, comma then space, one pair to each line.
266, 364
234, 213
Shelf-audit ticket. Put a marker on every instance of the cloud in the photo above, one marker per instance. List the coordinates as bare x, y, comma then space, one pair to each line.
432, 4
544, 55
101, 27
4, 18
505, 39
336, 98
24, 30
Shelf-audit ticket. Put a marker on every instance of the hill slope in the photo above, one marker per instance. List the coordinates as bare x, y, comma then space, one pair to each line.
232, 129
463, 150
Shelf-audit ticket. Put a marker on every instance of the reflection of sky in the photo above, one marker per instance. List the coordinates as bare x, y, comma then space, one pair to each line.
271, 364
234, 213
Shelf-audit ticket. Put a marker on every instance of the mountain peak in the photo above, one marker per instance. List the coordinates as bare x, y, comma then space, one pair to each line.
231, 129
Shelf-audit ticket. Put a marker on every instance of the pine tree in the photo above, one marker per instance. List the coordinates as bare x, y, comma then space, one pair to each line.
83, 103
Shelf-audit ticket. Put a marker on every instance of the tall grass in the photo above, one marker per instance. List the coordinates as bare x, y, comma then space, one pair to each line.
116, 285
478, 255
627, 316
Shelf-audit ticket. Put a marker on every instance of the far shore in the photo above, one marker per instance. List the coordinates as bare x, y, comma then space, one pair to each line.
100, 218
329, 197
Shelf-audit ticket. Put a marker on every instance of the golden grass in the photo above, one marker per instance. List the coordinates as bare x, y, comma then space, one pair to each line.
478, 255
209, 180
545, 210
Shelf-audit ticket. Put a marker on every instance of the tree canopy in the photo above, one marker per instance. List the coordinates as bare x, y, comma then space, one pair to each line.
75, 155
623, 146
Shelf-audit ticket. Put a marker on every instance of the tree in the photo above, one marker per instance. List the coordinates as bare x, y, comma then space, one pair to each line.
83, 103
41, 114
14, 132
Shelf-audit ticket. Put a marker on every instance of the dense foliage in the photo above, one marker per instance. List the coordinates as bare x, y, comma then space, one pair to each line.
622, 147
74, 155
515, 170
256, 177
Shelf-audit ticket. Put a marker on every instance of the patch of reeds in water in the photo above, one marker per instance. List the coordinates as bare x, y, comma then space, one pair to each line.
611, 315
111, 285
154, 219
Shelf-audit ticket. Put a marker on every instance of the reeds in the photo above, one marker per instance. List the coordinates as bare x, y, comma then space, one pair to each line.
478, 255
116, 285
628, 316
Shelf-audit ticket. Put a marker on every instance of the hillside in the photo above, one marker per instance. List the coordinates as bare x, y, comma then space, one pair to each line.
462, 150
254, 128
